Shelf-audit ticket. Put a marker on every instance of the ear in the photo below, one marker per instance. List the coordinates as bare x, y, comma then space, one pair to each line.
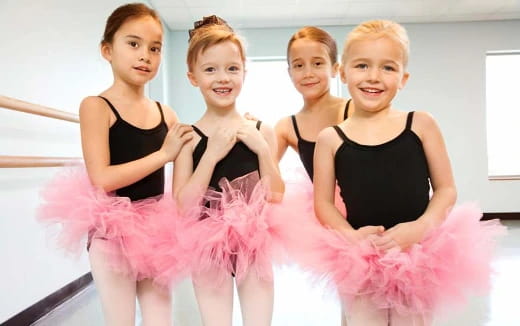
192, 79
106, 51
404, 80
342, 74
335, 69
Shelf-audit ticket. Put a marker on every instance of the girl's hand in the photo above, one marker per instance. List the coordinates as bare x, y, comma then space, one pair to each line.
249, 116
220, 143
365, 232
249, 135
402, 236
176, 137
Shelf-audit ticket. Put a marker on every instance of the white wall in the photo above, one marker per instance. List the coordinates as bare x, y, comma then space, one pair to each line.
447, 66
49, 55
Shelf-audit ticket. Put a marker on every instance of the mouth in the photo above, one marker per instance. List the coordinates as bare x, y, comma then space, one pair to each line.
222, 90
310, 84
371, 91
142, 68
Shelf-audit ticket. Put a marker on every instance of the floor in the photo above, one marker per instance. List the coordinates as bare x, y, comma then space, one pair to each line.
299, 304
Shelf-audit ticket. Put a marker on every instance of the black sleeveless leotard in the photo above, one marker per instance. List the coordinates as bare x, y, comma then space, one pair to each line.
129, 143
306, 148
383, 184
238, 162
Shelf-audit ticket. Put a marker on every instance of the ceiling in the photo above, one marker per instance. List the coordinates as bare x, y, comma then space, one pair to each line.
180, 14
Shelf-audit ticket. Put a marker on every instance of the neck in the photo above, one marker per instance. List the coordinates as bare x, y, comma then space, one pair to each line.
221, 113
320, 103
373, 115
128, 91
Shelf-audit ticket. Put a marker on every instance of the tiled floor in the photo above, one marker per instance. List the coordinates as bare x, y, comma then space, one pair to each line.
299, 304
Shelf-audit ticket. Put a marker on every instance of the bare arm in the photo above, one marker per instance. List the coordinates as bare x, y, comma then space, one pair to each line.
268, 166
282, 135
441, 176
325, 181
94, 125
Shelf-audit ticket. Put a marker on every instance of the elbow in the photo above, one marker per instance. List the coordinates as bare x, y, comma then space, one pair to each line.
101, 182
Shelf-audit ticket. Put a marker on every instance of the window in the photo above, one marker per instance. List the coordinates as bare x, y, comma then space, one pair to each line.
503, 114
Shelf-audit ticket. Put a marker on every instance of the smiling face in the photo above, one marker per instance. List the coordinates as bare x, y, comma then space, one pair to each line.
374, 71
310, 68
135, 51
219, 73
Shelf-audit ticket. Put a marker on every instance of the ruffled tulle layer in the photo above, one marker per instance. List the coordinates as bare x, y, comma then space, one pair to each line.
78, 212
233, 232
452, 261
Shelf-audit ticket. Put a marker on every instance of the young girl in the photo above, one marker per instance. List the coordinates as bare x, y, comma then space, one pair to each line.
312, 59
399, 254
223, 163
127, 139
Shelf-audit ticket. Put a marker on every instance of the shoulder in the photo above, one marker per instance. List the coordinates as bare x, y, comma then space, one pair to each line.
284, 125
93, 106
170, 116
328, 136
424, 124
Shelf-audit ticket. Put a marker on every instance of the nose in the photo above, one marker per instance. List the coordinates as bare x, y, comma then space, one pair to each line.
373, 74
144, 56
222, 76
307, 72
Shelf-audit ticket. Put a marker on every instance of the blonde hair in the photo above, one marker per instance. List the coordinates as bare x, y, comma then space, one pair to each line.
375, 29
211, 31
316, 34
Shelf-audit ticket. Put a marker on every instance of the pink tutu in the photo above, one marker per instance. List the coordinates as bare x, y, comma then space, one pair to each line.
82, 212
451, 262
233, 232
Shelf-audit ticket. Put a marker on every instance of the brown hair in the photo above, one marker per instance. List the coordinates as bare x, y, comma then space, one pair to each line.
318, 35
210, 31
124, 13
375, 29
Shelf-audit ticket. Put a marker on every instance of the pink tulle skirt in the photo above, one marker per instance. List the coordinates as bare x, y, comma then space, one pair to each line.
452, 262
232, 232
77, 212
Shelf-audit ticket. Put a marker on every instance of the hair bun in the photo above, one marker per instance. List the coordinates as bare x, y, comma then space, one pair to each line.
207, 21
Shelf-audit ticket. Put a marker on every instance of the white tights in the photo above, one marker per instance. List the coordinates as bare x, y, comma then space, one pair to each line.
216, 303
118, 294
363, 313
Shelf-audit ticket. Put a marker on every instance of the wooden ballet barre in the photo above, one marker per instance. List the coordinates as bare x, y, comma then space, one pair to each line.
18, 105
36, 161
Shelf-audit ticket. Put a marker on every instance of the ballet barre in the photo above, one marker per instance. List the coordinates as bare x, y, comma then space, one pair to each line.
7, 161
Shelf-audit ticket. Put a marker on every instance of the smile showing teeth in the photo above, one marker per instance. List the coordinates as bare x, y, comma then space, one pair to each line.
222, 90
371, 90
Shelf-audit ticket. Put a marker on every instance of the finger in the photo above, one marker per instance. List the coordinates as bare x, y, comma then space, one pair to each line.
372, 229
382, 241
186, 137
184, 129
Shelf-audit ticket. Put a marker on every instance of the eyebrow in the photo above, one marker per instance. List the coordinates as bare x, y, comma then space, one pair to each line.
312, 58
140, 38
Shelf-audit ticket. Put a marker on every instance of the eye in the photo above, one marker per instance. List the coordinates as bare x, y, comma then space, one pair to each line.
361, 66
297, 65
133, 44
234, 68
209, 69
318, 63
388, 68
156, 49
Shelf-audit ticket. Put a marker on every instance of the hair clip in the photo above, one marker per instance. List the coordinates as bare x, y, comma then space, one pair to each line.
206, 21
